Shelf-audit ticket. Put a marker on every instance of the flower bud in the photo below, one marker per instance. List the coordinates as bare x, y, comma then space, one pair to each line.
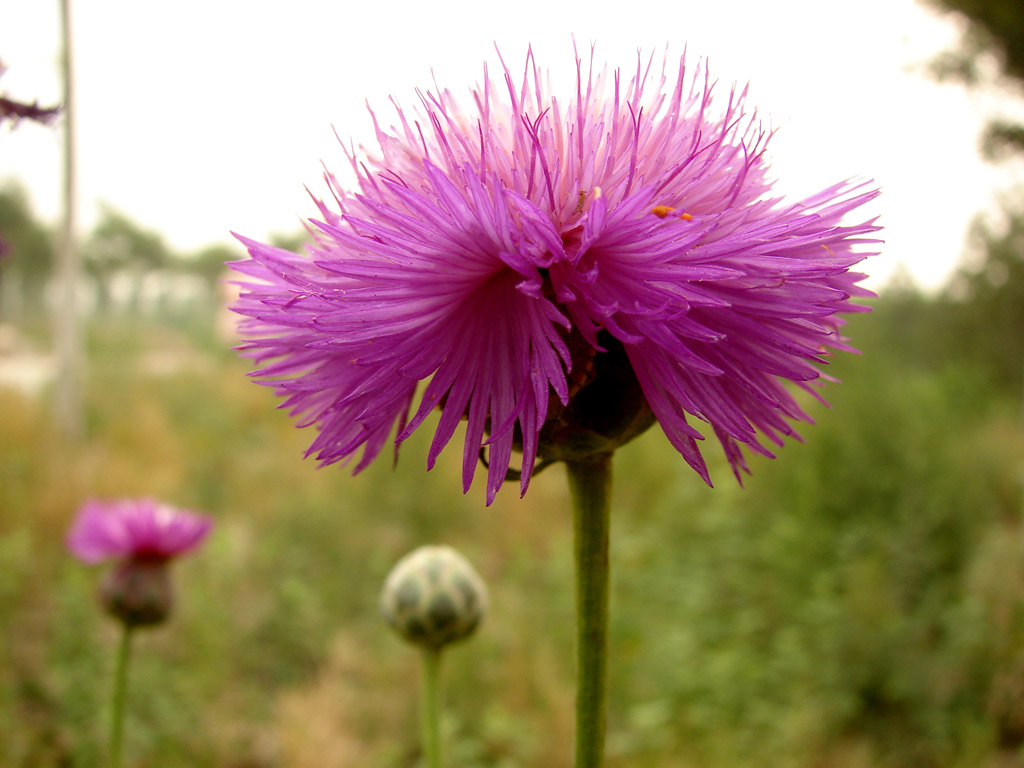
138, 592
433, 597
607, 407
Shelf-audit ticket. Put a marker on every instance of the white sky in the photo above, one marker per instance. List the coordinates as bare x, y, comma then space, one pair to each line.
197, 117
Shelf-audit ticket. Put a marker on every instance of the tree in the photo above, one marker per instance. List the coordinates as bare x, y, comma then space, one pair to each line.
988, 311
995, 28
209, 264
28, 257
118, 246
985, 298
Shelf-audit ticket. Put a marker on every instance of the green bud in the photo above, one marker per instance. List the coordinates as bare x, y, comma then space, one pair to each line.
433, 597
138, 592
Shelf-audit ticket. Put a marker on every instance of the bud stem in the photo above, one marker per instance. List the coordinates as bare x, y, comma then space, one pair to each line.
430, 706
590, 483
117, 701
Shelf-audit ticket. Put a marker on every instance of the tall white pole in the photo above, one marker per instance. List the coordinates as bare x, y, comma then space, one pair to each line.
69, 337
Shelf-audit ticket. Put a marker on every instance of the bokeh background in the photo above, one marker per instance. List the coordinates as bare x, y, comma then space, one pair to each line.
859, 602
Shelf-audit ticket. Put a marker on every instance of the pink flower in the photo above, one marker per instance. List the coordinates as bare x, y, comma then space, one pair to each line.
558, 274
134, 529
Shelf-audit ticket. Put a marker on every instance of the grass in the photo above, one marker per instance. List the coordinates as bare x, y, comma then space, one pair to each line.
813, 618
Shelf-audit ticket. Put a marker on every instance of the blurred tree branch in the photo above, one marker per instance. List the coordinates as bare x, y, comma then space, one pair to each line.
16, 111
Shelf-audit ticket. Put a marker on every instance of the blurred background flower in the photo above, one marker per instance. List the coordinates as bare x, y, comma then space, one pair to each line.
143, 536
134, 528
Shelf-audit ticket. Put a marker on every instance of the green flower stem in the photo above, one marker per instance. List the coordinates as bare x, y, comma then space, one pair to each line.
590, 482
430, 707
117, 702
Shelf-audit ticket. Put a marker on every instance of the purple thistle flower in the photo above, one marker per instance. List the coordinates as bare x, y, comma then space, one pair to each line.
140, 529
542, 264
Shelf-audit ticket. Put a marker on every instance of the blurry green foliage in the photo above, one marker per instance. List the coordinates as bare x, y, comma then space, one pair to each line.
995, 26
859, 602
985, 302
994, 30
27, 259
117, 245
120, 261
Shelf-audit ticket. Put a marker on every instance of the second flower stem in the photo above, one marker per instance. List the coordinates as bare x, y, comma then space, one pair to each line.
590, 483
117, 702
430, 707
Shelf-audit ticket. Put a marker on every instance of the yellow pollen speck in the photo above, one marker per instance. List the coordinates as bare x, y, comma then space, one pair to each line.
579, 203
661, 211
685, 217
